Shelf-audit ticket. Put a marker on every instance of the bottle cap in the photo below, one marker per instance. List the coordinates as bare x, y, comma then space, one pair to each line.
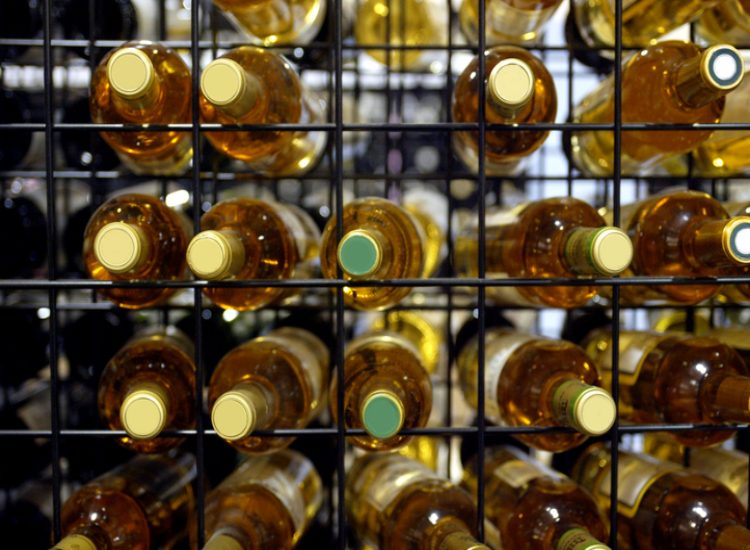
120, 247
144, 411
611, 251
75, 542
211, 255
359, 253
130, 72
224, 82
222, 542
511, 83
233, 415
593, 411
382, 414
736, 239
722, 66
579, 539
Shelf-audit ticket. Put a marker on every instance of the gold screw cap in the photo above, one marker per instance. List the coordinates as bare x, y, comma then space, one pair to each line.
611, 251
120, 247
130, 72
511, 83
736, 239
382, 414
222, 542
75, 542
144, 412
211, 255
722, 66
233, 415
594, 411
224, 82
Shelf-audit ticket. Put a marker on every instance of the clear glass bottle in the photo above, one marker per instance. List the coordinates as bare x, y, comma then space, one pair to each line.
386, 389
531, 507
268, 502
249, 85
661, 506
676, 378
277, 22
149, 387
550, 238
136, 237
533, 381
398, 504
507, 21
276, 381
145, 83
381, 241
690, 89
420, 330
146, 503
519, 90
246, 239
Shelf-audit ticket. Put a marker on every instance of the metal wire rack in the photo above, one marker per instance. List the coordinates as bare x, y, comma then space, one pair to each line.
207, 181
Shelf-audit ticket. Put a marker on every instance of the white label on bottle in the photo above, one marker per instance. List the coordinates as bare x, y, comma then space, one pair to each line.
282, 486
391, 480
517, 473
634, 348
497, 352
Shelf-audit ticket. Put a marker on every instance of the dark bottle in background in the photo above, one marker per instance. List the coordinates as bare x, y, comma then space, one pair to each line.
84, 149
115, 20
14, 144
21, 19
24, 247
24, 344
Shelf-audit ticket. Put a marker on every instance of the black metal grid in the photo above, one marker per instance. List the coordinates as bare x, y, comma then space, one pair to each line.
197, 181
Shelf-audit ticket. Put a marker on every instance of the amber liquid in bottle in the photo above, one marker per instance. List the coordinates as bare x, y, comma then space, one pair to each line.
684, 84
268, 502
530, 507
276, 381
386, 388
507, 21
643, 21
250, 85
136, 237
149, 387
381, 241
683, 234
401, 23
519, 90
532, 381
677, 379
728, 21
424, 334
145, 503
246, 239
397, 504
145, 83
661, 506
277, 22
550, 238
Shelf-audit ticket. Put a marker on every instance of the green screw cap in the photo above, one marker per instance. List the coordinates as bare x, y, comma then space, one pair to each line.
382, 414
359, 253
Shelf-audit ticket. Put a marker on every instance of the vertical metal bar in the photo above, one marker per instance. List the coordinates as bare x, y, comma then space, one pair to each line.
52, 266
198, 295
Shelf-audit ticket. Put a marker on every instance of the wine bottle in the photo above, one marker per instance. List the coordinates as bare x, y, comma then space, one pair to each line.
736, 337
276, 22
507, 21
84, 149
386, 389
276, 381
429, 208
252, 239
19, 19
519, 90
145, 503
727, 21
425, 332
114, 20
404, 23
26, 253
677, 379
144, 83
531, 507
16, 147
395, 502
250, 85
550, 238
136, 237
689, 88
268, 502
683, 234
149, 387
534, 381
381, 241
661, 506
643, 21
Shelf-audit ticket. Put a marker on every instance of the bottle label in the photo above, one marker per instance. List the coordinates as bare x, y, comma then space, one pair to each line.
517, 473
391, 481
634, 349
497, 352
729, 467
268, 475
634, 477
577, 539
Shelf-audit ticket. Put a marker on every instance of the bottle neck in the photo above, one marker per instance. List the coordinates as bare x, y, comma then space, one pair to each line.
732, 537
242, 410
701, 79
732, 399
597, 251
222, 542
231, 89
84, 537
718, 243
453, 534
586, 408
216, 255
578, 538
